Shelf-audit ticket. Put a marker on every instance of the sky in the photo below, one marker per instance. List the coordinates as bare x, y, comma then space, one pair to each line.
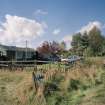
47, 20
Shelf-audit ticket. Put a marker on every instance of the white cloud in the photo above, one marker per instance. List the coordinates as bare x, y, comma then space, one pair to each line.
56, 31
67, 38
40, 12
90, 26
18, 29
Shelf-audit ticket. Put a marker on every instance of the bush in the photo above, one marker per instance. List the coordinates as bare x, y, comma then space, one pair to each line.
74, 84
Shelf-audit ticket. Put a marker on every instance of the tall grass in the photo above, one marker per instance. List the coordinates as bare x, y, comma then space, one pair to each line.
83, 84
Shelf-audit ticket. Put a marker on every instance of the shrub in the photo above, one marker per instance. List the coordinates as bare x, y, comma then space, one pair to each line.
74, 84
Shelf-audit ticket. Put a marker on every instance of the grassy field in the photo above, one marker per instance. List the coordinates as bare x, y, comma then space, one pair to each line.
83, 84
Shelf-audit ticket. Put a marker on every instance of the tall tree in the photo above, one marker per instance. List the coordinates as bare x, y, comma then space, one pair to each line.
63, 46
95, 40
88, 43
77, 44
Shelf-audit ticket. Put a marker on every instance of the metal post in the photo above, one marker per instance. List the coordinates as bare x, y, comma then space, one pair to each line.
16, 55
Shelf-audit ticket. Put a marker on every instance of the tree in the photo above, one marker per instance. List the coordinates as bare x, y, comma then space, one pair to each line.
49, 48
95, 40
91, 44
45, 48
77, 44
55, 47
103, 47
63, 46
88, 52
76, 40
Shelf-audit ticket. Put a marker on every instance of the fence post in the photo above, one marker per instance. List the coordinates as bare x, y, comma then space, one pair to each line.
34, 81
35, 65
49, 65
58, 65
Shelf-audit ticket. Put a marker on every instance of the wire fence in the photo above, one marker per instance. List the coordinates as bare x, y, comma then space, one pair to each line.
35, 65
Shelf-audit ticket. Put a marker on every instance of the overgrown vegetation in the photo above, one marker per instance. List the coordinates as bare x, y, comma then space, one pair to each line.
83, 84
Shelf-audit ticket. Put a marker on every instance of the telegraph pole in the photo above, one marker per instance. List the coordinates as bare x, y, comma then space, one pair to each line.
26, 50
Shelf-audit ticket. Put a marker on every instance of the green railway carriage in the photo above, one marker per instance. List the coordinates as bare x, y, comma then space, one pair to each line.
16, 53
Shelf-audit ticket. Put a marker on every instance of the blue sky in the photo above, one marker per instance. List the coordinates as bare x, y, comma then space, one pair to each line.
60, 18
